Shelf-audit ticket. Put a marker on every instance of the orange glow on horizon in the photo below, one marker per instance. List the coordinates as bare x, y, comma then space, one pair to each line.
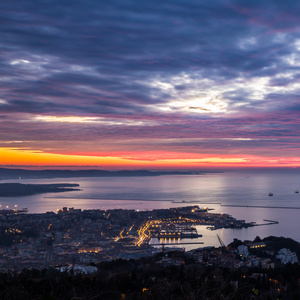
24, 157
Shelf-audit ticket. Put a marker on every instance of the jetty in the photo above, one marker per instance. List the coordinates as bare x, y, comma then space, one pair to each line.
269, 222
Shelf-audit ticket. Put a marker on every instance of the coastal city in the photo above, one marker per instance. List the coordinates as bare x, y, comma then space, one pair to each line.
81, 237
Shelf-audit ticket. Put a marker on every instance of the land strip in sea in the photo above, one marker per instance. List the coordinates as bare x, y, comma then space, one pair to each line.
19, 189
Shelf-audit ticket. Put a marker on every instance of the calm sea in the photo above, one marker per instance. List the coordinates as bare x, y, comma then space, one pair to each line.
246, 193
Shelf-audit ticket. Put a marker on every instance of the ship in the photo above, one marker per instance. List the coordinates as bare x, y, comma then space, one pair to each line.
296, 191
270, 194
168, 234
178, 232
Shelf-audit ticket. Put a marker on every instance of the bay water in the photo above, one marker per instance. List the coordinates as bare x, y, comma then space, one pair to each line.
244, 194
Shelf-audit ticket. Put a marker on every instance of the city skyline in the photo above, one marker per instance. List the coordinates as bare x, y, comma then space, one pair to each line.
156, 85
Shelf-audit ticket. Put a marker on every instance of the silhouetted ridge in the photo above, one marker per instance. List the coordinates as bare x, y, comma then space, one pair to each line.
21, 173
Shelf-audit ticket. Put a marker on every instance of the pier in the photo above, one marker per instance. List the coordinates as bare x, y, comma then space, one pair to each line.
270, 222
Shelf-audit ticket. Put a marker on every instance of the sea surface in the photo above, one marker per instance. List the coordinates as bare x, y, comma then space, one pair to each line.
242, 194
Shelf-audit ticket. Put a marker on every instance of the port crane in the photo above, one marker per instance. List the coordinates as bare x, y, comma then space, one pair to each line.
221, 242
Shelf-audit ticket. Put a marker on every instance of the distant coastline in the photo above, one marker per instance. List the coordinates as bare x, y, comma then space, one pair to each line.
19, 190
6, 173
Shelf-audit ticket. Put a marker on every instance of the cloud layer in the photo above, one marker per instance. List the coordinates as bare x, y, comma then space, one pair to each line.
180, 79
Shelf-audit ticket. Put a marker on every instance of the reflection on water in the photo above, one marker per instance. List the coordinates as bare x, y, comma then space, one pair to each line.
168, 240
147, 193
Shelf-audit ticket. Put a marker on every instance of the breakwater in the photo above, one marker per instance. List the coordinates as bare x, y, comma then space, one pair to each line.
260, 206
269, 222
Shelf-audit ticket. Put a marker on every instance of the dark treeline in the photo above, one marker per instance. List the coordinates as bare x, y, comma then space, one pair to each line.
146, 279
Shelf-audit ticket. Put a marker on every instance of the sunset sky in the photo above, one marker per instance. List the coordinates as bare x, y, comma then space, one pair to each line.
150, 84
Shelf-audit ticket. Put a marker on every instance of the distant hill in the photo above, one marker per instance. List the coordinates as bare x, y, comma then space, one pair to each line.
6, 173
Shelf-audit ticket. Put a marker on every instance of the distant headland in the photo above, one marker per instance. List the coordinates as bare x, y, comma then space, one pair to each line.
6, 173
18, 189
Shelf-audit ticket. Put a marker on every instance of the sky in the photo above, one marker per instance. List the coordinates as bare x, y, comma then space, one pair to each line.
149, 84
